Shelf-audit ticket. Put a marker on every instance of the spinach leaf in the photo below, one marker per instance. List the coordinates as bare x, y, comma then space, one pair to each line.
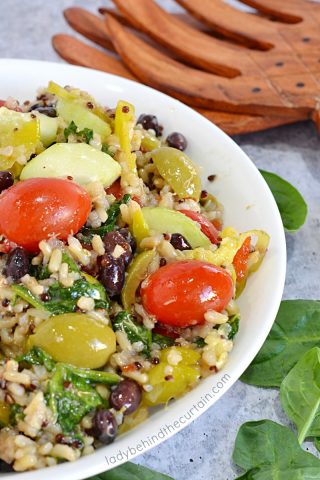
200, 342
124, 322
40, 272
85, 235
269, 451
162, 340
292, 206
300, 395
106, 149
84, 135
64, 300
295, 331
234, 323
37, 356
71, 404
16, 413
131, 471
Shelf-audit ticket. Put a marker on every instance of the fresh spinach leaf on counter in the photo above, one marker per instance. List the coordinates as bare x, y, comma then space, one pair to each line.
292, 206
269, 451
85, 235
131, 471
85, 135
124, 322
300, 395
294, 332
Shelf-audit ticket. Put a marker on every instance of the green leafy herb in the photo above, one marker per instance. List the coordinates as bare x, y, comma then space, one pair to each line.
295, 331
85, 135
234, 323
106, 149
131, 471
37, 356
72, 266
85, 235
300, 395
124, 322
40, 272
64, 300
269, 451
200, 342
292, 206
72, 394
162, 340
16, 413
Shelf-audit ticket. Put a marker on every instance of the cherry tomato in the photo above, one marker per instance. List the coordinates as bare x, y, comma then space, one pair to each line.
180, 293
39, 208
240, 261
115, 190
206, 226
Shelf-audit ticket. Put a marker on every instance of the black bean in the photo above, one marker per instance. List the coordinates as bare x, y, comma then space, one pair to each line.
177, 140
6, 180
111, 273
127, 394
125, 232
105, 427
179, 242
150, 121
47, 110
112, 239
17, 264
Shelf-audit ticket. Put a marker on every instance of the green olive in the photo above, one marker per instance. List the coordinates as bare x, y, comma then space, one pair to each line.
75, 338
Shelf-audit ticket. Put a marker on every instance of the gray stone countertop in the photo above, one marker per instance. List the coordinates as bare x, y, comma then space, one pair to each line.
202, 451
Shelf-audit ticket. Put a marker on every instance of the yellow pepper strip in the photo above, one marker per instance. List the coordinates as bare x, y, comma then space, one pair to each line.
139, 227
75, 95
183, 376
123, 124
137, 272
4, 414
20, 133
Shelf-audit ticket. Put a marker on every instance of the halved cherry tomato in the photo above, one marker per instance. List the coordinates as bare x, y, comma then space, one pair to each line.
206, 226
39, 208
180, 293
115, 190
240, 261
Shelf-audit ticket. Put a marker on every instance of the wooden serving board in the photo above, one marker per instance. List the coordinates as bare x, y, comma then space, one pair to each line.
238, 88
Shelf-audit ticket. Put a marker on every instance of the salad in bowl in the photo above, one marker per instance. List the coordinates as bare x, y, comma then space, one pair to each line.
118, 277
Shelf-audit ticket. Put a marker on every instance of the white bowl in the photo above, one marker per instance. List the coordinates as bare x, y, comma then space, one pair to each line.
248, 204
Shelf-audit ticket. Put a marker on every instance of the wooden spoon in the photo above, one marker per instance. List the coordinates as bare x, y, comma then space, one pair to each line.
253, 95
281, 12
78, 53
191, 45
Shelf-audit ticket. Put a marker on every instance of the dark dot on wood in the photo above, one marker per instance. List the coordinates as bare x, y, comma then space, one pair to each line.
306, 39
256, 90
279, 64
300, 85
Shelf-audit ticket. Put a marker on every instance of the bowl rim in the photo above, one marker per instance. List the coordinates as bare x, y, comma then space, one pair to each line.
100, 461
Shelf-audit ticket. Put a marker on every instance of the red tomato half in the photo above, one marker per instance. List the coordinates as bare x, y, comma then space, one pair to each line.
206, 226
180, 293
39, 208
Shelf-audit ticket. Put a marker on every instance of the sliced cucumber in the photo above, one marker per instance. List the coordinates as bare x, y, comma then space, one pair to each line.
164, 220
82, 117
80, 161
48, 129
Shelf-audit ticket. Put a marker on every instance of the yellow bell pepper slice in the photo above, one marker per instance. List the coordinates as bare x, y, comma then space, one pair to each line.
139, 226
4, 414
183, 376
137, 272
19, 136
123, 125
